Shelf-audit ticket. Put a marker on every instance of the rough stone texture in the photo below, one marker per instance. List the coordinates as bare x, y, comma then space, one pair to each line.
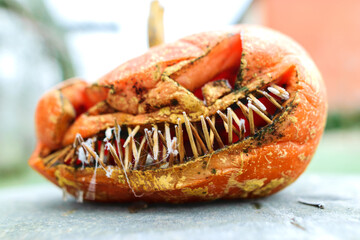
38, 212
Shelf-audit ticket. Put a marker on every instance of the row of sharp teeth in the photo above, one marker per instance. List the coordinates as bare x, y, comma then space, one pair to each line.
172, 149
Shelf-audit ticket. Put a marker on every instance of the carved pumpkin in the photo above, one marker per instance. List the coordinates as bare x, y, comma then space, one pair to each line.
228, 114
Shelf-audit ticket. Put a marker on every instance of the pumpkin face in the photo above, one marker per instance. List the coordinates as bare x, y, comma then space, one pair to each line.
232, 114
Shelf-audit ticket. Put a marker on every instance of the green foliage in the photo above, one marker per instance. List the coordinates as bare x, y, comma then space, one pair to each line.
342, 120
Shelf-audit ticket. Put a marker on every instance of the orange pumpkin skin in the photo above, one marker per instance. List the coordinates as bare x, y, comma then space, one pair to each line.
258, 166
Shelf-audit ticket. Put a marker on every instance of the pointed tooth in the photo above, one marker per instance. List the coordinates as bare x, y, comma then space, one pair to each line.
172, 147
283, 93
94, 140
163, 149
245, 112
244, 109
242, 129
102, 153
108, 134
171, 160
50, 157
164, 155
91, 152
230, 124
102, 162
118, 140
156, 142
88, 159
261, 114
198, 147
191, 137
66, 150
177, 138
285, 96
162, 138
127, 157
134, 148
216, 134
149, 141
211, 132
73, 158
60, 155
130, 145
226, 121
224, 118
181, 141
167, 135
270, 98
78, 140
235, 117
198, 138
131, 135
114, 154
206, 133
136, 129
240, 123
142, 154
274, 89
251, 119
75, 142
89, 156
258, 104
148, 137
128, 152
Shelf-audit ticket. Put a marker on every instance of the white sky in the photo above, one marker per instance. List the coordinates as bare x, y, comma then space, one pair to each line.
96, 53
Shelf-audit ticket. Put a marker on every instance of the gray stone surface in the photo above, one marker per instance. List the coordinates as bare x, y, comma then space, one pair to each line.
38, 212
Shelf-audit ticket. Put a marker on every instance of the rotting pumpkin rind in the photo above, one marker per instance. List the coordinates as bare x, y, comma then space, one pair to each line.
258, 166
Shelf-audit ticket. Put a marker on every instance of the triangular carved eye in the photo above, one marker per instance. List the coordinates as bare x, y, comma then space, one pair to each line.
215, 90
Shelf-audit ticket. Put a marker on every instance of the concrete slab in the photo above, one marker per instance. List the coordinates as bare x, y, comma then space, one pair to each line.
38, 212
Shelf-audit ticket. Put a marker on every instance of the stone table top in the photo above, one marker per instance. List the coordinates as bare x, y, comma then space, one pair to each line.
38, 212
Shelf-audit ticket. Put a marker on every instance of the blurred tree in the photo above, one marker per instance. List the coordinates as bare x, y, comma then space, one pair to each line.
33, 57
53, 35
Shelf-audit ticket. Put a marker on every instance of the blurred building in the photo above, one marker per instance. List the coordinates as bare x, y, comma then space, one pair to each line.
330, 31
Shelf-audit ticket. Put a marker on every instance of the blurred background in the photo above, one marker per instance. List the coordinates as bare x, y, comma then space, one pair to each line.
43, 42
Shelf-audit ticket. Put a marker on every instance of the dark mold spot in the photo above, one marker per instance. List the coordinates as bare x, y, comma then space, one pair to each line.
174, 102
256, 205
244, 89
147, 107
204, 164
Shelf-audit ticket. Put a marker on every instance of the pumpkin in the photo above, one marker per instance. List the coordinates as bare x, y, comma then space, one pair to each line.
225, 114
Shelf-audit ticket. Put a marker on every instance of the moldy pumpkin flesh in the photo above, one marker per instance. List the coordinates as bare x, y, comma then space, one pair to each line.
229, 114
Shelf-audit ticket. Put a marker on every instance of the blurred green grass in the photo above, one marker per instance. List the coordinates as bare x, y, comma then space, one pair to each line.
338, 153
24, 176
338, 120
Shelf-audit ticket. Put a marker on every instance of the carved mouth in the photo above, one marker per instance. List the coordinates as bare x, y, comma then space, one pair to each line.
164, 144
